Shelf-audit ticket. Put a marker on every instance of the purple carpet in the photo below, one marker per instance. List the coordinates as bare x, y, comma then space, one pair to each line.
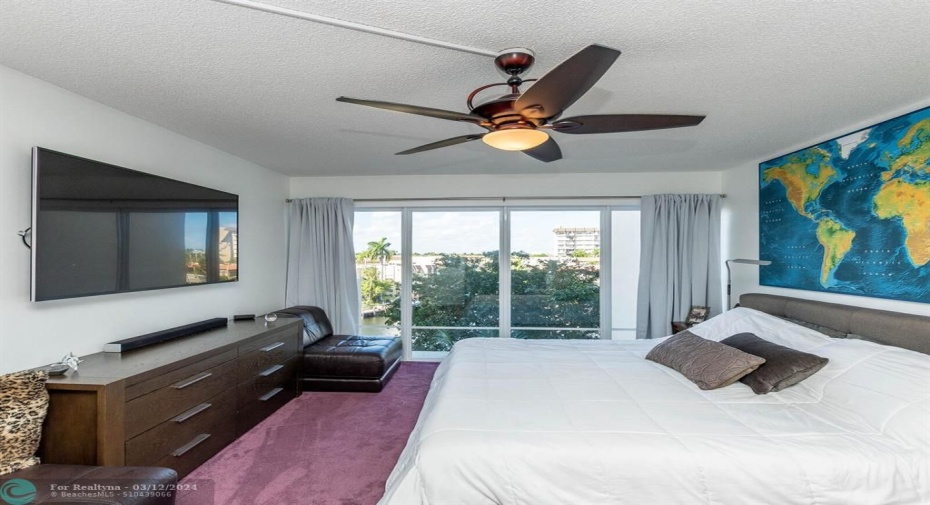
319, 449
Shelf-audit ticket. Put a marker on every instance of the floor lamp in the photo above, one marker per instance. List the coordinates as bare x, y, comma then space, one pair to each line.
742, 262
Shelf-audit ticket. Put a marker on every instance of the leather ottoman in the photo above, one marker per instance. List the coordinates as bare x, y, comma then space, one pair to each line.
342, 362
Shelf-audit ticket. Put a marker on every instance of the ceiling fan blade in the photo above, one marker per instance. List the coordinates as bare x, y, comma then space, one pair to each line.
567, 82
547, 151
443, 143
612, 123
415, 109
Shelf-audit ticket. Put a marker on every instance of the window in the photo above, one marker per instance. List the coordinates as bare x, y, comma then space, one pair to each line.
624, 280
434, 276
456, 278
377, 240
555, 274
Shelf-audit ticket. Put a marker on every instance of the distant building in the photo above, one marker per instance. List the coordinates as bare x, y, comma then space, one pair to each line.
229, 245
568, 240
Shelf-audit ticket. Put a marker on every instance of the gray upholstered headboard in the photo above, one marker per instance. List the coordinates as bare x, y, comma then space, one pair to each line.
908, 331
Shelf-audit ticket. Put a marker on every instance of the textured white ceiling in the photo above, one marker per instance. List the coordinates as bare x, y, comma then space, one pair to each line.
768, 75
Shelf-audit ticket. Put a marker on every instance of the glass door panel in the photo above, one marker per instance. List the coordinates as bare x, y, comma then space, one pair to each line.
455, 284
624, 263
555, 274
377, 239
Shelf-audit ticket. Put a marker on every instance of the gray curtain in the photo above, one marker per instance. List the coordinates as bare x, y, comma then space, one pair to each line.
321, 259
679, 262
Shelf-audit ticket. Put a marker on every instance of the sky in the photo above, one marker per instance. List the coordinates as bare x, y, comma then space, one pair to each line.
195, 227
470, 231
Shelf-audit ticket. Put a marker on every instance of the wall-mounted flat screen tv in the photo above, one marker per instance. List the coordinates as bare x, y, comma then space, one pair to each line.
99, 229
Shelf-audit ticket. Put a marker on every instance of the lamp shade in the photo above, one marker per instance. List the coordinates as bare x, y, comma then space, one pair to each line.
515, 139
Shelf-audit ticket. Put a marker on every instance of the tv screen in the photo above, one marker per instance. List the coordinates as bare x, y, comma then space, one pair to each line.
98, 229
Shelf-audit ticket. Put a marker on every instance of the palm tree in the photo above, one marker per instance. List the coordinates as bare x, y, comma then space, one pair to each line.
380, 250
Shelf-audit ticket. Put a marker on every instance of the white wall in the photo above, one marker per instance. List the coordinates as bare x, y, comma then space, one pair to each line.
33, 112
437, 186
741, 228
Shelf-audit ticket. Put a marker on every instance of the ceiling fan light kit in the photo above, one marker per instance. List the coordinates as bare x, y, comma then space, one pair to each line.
515, 139
519, 121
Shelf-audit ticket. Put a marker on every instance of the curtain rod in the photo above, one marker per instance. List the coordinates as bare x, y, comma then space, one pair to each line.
492, 198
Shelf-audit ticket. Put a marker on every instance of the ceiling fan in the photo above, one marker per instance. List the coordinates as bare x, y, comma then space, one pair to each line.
521, 121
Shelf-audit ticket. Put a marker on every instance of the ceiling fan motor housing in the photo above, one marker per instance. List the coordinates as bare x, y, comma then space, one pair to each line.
500, 112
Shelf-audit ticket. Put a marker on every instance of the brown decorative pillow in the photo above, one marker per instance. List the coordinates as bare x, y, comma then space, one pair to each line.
708, 364
23, 404
784, 366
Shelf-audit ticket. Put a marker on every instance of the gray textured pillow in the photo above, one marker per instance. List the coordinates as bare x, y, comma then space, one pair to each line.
784, 366
708, 364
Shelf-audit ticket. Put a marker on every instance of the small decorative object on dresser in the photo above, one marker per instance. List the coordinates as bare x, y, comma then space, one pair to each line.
71, 361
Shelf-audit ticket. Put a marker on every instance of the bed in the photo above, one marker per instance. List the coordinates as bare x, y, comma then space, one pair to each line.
508, 421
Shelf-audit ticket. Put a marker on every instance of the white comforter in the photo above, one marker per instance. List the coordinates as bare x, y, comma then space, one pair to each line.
592, 422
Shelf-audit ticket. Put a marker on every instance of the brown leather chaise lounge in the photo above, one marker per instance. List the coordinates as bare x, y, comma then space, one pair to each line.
342, 362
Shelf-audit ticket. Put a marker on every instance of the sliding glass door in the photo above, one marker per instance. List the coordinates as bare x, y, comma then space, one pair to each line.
555, 274
434, 276
624, 268
379, 271
455, 291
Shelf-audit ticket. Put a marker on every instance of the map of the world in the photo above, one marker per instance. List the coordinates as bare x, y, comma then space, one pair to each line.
851, 215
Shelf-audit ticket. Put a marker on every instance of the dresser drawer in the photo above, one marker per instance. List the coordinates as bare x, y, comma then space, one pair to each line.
199, 448
289, 334
137, 389
188, 390
274, 352
167, 437
262, 395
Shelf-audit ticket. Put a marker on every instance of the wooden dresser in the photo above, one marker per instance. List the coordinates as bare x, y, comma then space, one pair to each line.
174, 404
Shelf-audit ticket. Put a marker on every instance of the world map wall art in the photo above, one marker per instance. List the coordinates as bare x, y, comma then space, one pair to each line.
851, 215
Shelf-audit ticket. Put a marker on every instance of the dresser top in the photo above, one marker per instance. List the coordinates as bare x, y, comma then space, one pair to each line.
104, 368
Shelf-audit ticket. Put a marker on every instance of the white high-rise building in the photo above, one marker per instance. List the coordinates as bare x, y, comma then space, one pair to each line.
568, 240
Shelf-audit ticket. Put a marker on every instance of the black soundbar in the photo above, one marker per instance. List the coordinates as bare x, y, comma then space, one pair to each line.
165, 335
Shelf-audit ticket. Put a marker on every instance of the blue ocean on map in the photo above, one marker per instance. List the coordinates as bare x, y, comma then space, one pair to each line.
809, 246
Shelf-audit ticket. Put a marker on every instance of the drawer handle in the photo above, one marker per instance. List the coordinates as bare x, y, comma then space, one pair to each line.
271, 394
180, 451
192, 412
269, 348
271, 370
191, 382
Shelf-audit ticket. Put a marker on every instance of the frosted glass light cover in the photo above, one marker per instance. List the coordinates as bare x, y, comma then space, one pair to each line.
516, 139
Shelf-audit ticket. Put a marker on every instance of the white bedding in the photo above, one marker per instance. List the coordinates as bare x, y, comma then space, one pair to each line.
591, 422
